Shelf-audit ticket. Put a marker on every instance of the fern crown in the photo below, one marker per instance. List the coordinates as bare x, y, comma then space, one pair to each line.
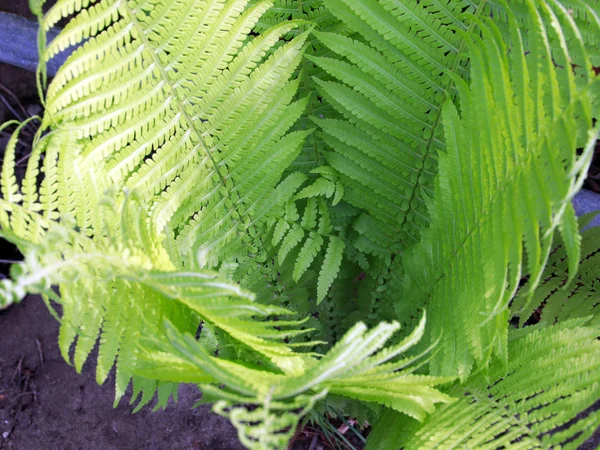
263, 198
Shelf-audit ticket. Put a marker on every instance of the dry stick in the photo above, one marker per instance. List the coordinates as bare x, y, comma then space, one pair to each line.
10, 108
15, 99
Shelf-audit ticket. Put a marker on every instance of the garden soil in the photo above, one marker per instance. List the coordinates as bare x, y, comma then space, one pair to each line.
45, 404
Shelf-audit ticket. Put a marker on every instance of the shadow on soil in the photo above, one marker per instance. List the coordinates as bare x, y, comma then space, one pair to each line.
45, 404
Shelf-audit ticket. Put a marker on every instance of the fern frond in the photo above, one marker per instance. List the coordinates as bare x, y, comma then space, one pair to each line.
157, 99
355, 367
504, 184
331, 266
544, 401
102, 289
177, 103
312, 13
561, 298
130, 280
583, 13
389, 86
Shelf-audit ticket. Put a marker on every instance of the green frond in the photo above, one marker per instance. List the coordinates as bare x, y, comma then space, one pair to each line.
389, 86
103, 287
291, 240
261, 403
313, 14
348, 163
504, 185
175, 102
307, 254
331, 266
131, 281
585, 14
311, 11
157, 99
8, 181
543, 401
561, 298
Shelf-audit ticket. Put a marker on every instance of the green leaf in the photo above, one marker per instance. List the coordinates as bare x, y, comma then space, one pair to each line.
331, 266
552, 379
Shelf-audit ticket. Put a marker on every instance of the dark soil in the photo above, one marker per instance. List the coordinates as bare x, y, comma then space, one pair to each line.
45, 404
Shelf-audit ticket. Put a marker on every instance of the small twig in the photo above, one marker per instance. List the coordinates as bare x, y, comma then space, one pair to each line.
40, 352
17, 370
10, 108
22, 394
16, 99
34, 390
23, 159
47, 377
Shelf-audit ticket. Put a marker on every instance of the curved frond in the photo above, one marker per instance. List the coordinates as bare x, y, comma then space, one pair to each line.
175, 102
393, 77
102, 289
504, 184
558, 296
545, 400
266, 406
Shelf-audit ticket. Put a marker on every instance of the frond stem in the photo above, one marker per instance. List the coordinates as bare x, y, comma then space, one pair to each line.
438, 116
133, 20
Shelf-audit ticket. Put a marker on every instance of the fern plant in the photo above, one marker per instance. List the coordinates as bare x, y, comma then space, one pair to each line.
552, 377
245, 183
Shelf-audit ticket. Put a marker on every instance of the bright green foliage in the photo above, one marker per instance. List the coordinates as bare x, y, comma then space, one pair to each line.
145, 290
393, 79
552, 376
585, 14
147, 104
504, 185
119, 286
351, 163
356, 367
563, 299
196, 125
511, 144
311, 11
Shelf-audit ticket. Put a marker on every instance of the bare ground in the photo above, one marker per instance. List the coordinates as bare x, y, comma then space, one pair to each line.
45, 404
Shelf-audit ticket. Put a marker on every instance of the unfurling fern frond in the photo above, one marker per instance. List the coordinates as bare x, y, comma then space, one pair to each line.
505, 182
265, 406
544, 401
558, 297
